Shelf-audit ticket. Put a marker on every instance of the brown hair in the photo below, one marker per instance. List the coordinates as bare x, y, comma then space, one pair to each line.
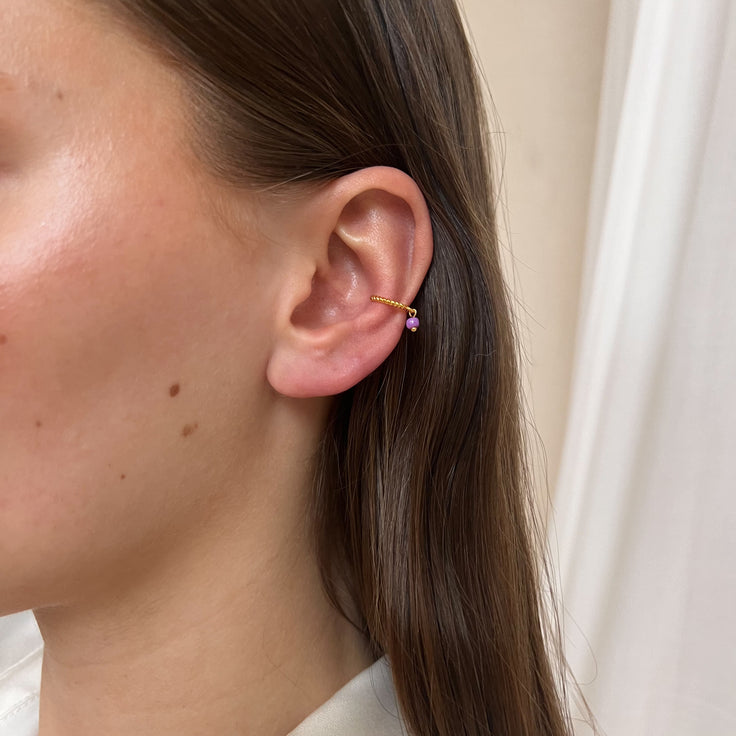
422, 493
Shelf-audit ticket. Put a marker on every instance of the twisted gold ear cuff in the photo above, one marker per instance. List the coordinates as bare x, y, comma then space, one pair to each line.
412, 323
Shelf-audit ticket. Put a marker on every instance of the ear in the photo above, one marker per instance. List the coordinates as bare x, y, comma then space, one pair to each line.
367, 233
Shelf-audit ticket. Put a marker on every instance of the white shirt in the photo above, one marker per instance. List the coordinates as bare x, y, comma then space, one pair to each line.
366, 706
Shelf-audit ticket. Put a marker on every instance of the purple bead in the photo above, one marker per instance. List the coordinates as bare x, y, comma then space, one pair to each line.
412, 323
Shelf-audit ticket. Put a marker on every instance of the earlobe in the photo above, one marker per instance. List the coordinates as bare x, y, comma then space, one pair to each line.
369, 236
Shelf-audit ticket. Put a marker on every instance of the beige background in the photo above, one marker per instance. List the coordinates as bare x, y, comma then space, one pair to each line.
543, 64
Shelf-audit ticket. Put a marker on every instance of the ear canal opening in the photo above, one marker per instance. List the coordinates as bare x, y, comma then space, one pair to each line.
335, 295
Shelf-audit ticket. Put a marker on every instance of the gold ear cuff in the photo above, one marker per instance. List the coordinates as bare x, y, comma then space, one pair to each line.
412, 323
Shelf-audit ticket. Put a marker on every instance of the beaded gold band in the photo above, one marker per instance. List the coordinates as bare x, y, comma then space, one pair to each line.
412, 323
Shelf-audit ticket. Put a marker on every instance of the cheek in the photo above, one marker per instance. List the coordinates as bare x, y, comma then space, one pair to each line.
115, 311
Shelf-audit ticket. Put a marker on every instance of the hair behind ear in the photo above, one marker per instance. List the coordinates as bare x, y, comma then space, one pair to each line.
423, 499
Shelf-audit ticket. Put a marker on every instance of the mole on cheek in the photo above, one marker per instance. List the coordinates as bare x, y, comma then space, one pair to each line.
174, 389
38, 423
188, 429
122, 477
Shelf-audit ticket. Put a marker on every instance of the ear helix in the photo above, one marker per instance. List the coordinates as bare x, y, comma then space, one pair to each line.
412, 323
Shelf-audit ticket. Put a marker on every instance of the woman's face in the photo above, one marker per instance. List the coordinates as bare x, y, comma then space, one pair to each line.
133, 317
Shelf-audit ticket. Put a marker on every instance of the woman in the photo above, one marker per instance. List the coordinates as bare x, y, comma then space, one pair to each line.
232, 481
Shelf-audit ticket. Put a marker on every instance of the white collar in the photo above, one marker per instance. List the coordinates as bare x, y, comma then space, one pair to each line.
366, 706
21, 652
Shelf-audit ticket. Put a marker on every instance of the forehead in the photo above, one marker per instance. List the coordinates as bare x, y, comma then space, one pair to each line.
68, 65
8, 83
49, 47
38, 39
23, 88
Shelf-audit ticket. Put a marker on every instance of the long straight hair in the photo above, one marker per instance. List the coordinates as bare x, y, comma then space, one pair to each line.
421, 500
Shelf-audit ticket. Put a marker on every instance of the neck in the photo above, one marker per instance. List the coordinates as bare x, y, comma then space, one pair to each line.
231, 634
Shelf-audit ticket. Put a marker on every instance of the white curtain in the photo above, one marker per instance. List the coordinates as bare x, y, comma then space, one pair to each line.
645, 517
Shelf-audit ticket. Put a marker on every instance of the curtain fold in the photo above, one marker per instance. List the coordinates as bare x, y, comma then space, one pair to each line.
646, 495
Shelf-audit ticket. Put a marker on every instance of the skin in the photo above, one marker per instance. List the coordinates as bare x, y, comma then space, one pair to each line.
168, 350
